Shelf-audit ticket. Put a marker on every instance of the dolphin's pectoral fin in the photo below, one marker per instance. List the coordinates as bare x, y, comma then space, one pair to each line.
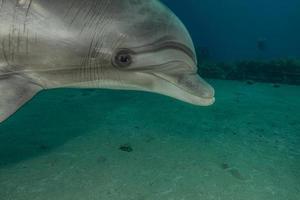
15, 91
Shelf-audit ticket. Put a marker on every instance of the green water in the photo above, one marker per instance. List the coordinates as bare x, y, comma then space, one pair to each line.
65, 144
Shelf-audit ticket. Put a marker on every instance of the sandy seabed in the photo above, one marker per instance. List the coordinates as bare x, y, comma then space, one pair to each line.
65, 145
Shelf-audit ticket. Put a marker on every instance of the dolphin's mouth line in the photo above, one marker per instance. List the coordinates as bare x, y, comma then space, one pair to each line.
151, 67
182, 88
163, 44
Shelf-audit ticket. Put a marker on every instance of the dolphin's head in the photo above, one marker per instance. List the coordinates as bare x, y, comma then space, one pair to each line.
152, 51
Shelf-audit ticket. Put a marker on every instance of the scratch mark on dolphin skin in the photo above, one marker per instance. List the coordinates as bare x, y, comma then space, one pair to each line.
9, 43
98, 67
19, 41
88, 71
4, 52
82, 5
26, 5
91, 69
1, 4
28, 8
27, 43
70, 8
92, 8
24, 27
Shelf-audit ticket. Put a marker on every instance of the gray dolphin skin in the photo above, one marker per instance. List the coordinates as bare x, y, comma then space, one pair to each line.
115, 44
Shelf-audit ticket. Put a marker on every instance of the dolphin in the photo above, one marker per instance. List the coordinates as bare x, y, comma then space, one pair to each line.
114, 44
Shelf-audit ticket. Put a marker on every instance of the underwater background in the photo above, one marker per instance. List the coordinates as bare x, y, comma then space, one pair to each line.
70, 144
231, 29
242, 40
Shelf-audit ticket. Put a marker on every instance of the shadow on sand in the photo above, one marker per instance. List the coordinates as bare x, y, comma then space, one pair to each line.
51, 119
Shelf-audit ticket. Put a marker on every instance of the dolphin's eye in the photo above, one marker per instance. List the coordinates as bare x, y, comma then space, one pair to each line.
123, 58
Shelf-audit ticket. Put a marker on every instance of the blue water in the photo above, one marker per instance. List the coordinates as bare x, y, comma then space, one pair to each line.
230, 29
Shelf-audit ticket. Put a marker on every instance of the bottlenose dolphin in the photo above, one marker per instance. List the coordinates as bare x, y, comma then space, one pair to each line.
115, 44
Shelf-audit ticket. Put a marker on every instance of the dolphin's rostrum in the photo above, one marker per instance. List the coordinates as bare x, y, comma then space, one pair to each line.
116, 44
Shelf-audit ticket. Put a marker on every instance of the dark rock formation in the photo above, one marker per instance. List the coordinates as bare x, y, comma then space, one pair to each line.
286, 71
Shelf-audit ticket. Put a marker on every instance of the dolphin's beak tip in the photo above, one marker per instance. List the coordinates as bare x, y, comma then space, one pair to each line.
209, 92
